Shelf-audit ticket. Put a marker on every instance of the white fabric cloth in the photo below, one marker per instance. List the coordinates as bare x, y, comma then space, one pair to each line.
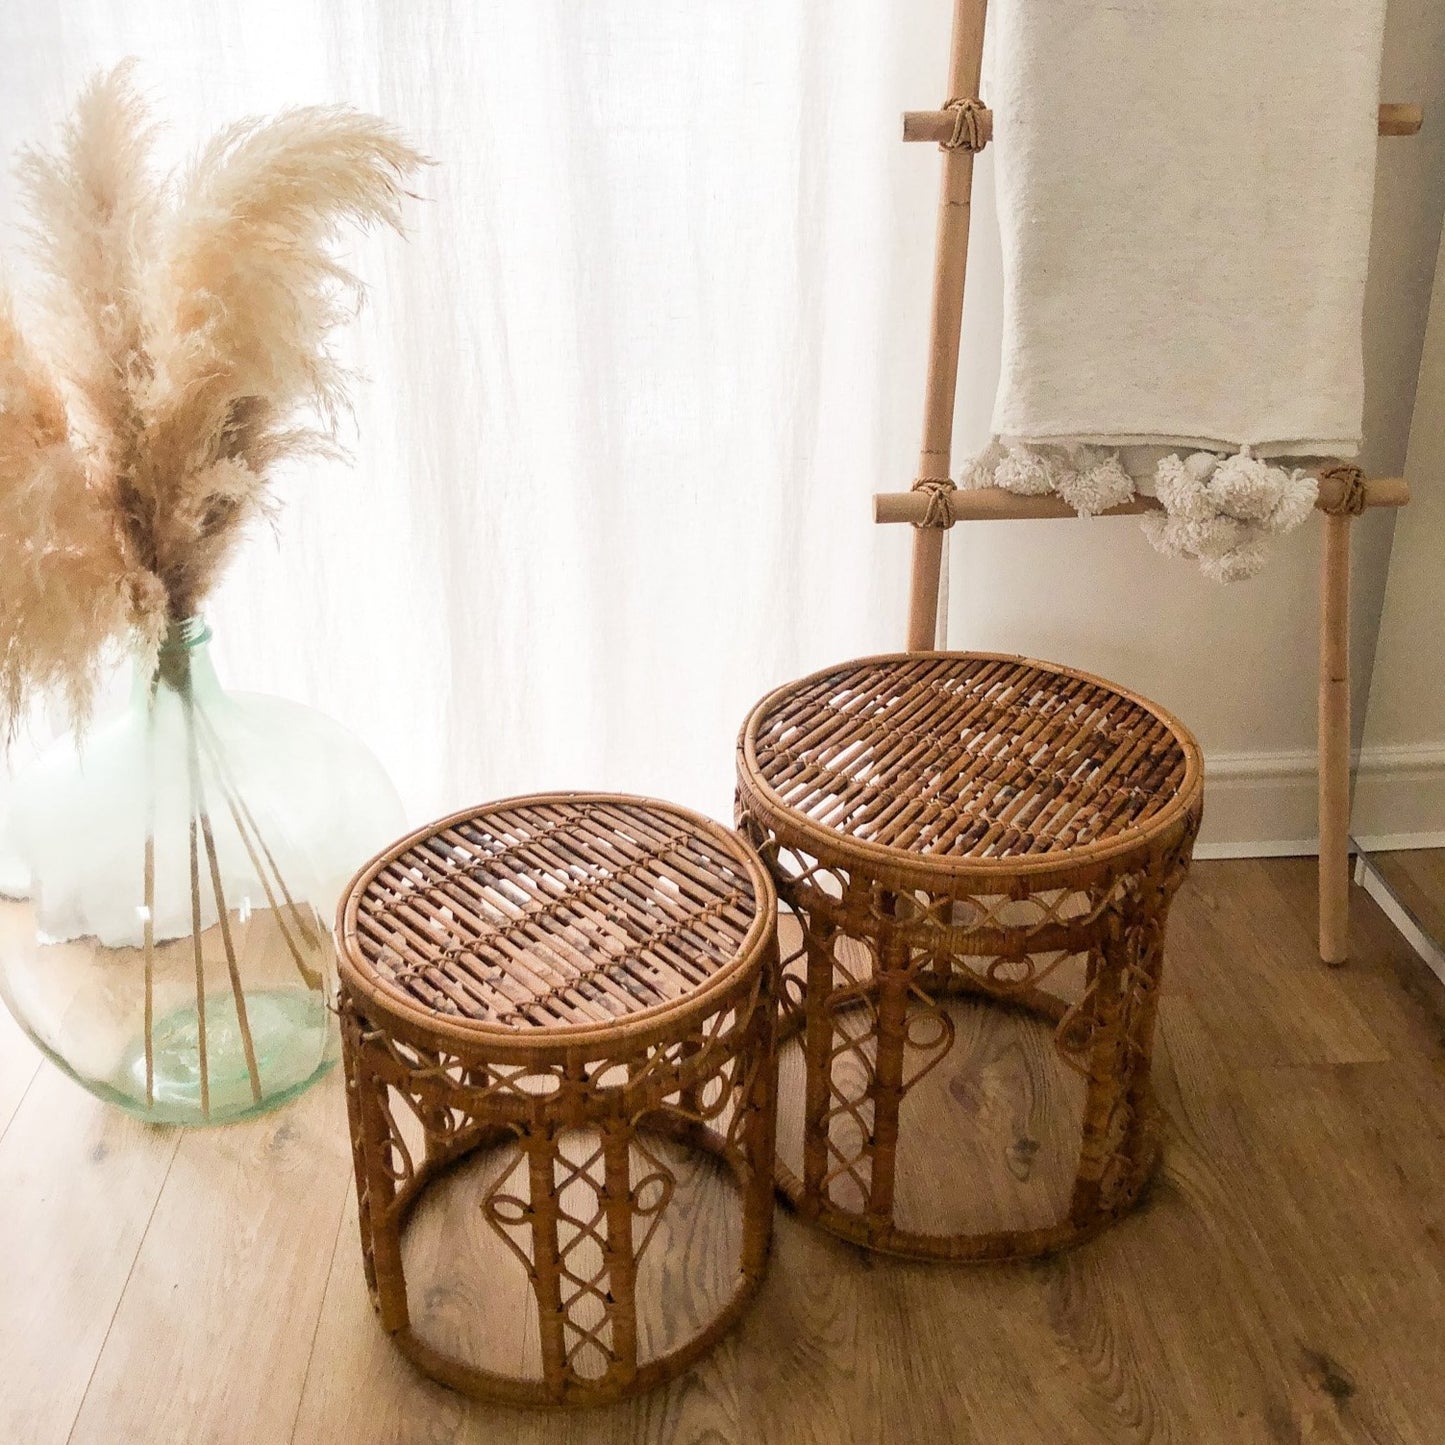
1184, 192
656, 337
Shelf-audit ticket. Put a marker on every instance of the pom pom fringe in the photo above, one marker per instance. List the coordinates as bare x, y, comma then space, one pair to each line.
1221, 511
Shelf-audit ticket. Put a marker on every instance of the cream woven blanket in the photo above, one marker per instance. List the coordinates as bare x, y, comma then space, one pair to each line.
1184, 192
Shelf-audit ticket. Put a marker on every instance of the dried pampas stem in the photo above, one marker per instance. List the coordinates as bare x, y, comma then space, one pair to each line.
256, 851
149, 871
205, 1070
222, 912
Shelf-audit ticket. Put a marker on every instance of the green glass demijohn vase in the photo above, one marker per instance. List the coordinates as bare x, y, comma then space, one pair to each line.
171, 876
184, 863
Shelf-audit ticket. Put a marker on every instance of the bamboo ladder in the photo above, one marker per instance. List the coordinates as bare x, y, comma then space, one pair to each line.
934, 509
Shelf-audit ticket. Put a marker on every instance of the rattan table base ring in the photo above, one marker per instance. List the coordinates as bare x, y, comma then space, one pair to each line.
954, 824
566, 978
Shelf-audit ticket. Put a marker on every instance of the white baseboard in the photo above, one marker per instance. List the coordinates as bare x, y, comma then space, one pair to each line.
1398, 842
1259, 805
1256, 847
1263, 805
1400, 796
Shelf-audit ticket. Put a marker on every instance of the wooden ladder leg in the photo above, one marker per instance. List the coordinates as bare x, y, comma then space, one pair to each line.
1334, 758
951, 264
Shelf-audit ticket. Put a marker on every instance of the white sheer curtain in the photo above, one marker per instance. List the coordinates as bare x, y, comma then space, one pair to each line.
658, 333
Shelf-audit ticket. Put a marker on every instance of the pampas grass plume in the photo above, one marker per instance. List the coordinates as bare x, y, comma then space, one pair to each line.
181, 352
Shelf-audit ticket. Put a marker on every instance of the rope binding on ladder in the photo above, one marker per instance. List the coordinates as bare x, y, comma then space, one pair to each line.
967, 125
1352, 498
937, 489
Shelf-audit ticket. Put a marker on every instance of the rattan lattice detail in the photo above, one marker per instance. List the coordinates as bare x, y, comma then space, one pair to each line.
437, 1066
965, 756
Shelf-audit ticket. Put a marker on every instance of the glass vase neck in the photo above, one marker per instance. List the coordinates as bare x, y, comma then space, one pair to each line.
182, 664
186, 635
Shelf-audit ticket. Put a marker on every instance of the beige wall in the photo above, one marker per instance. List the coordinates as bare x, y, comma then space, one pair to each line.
1238, 662
1400, 795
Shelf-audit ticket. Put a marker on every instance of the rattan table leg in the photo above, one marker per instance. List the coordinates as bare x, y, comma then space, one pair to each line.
818, 1055
618, 1257
1145, 951
548, 1218
379, 1214
891, 1038
758, 1129
540, 1145
1122, 1001
1100, 1023
350, 1069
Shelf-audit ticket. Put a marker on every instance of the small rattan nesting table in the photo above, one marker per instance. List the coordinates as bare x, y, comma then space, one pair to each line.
954, 824
586, 983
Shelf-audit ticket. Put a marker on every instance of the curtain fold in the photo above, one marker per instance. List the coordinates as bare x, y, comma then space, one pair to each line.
656, 336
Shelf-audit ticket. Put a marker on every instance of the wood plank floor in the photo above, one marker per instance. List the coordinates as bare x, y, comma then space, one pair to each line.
1285, 1280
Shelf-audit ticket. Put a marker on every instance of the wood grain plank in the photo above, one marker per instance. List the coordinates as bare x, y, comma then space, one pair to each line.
360, 1389
20, 1062
19, 1059
810, 1361
1284, 1280
1350, 1210
214, 1330
1329, 1182
1237, 1343
78, 1183
1140, 1335
1006, 1112
1250, 965
468, 1294
1385, 980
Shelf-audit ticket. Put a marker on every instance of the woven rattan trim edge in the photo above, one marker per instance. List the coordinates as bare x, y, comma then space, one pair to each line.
661, 1019
759, 799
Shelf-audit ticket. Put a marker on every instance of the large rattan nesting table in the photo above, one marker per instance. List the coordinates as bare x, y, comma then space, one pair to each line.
947, 824
585, 983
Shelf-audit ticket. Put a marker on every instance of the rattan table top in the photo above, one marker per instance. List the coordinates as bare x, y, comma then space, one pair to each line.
971, 759
560, 912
